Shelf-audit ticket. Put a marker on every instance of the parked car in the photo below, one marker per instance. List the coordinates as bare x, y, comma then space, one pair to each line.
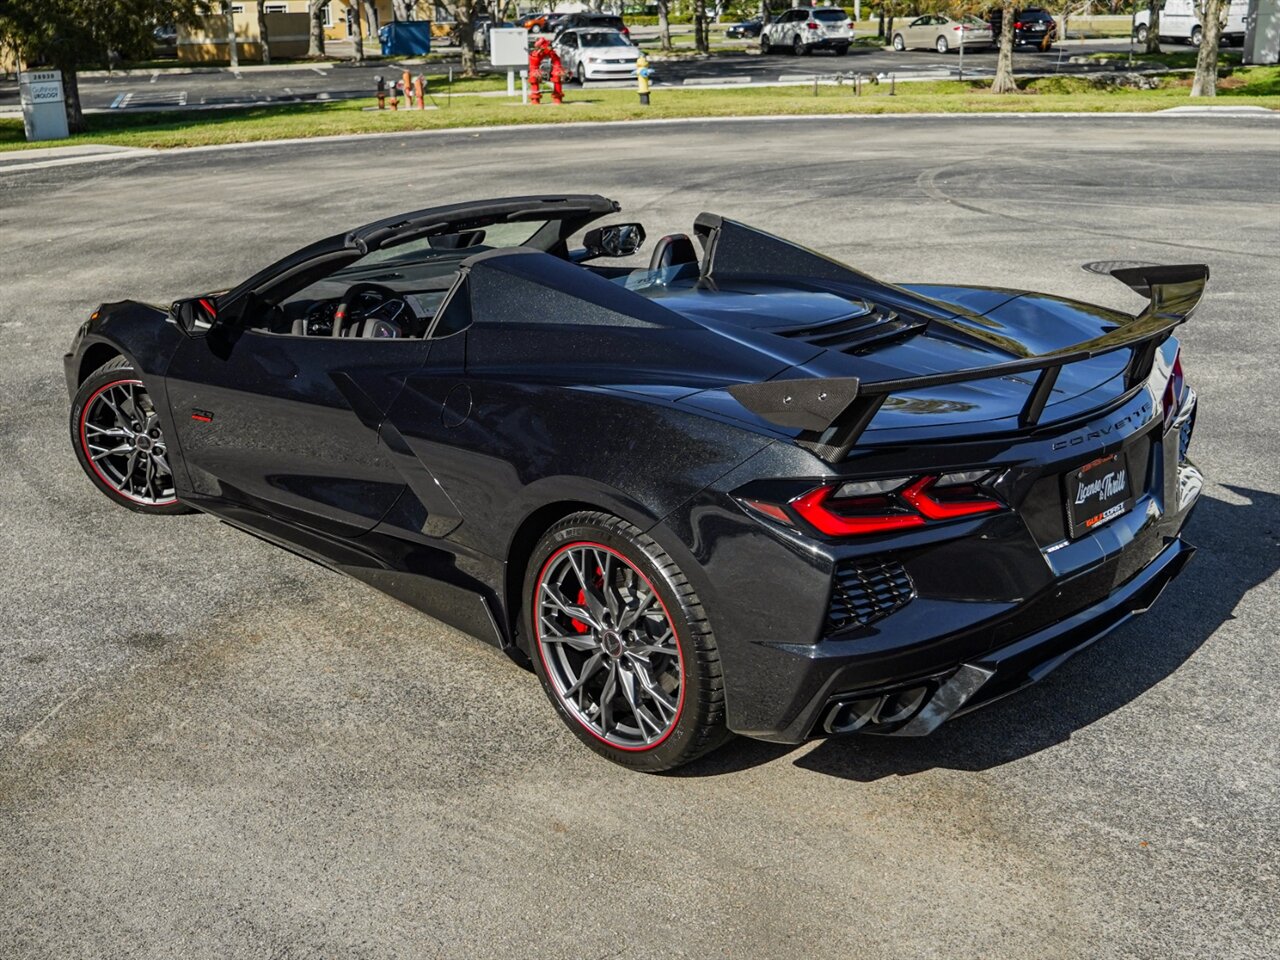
591, 54
1032, 27
594, 21
803, 30
164, 41
748, 30
1180, 22
541, 22
941, 33
742, 487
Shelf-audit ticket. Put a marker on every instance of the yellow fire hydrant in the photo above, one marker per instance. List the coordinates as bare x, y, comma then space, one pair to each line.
643, 73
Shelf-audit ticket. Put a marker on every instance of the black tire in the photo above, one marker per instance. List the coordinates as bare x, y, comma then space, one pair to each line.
797, 46
898, 43
842, 50
105, 470
942, 46
698, 723
1142, 33
1197, 36
766, 45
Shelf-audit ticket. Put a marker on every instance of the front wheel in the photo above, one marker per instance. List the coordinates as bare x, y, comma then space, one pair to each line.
942, 46
1142, 33
766, 45
1197, 35
622, 645
116, 433
898, 43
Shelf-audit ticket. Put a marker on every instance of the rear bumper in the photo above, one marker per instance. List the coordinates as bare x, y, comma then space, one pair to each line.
918, 707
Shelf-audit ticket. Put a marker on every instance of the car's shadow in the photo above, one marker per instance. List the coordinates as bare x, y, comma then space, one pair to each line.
1238, 550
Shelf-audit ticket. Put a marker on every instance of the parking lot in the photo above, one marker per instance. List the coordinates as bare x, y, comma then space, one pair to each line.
212, 748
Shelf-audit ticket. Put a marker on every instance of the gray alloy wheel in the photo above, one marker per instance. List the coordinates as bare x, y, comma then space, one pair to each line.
1197, 36
118, 440
942, 46
622, 645
898, 43
609, 647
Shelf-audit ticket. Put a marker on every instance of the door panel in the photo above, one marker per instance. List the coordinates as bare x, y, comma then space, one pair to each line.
288, 425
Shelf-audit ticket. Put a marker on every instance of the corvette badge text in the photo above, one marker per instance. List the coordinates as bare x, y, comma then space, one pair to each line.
1135, 419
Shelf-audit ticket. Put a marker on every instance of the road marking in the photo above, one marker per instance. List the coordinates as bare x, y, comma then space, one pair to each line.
118, 102
319, 71
155, 75
693, 81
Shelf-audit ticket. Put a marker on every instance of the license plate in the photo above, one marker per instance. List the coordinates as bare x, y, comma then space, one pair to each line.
1097, 493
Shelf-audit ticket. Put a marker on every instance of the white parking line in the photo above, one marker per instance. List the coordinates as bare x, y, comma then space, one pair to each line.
319, 71
155, 75
694, 81
118, 101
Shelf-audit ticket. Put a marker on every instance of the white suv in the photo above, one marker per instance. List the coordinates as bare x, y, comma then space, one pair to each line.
806, 29
1180, 21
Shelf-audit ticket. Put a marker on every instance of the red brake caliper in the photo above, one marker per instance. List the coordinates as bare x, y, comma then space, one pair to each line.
578, 625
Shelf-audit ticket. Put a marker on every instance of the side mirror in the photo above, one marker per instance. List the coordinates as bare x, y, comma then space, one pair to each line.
615, 240
195, 316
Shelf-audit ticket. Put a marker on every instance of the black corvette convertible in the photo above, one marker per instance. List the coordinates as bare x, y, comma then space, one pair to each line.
743, 488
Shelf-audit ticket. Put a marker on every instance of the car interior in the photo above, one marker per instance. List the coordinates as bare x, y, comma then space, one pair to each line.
398, 291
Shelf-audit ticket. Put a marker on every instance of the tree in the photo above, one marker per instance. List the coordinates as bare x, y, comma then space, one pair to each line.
464, 14
700, 40
71, 33
664, 24
1206, 82
357, 31
315, 10
233, 46
1153, 25
263, 40
1004, 81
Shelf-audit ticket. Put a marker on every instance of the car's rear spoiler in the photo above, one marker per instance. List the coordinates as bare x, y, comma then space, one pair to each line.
833, 412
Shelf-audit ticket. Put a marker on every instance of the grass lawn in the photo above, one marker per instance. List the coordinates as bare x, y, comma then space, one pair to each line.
1254, 86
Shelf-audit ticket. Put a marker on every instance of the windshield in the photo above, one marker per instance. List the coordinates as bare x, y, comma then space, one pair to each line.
830, 16
603, 39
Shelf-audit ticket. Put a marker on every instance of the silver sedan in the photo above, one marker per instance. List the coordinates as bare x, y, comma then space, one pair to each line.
941, 33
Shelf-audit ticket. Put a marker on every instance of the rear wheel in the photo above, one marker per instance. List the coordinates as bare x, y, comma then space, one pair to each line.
622, 645
898, 43
942, 46
116, 433
1142, 33
1197, 35
766, 45
842, 50
797, 46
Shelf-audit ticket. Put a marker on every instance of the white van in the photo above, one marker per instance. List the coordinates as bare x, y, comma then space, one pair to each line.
1180, 22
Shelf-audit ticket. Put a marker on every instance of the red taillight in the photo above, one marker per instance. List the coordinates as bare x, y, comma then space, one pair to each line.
1018, 25
816, 508
1173, 389
961, 501
811, 25
882, 506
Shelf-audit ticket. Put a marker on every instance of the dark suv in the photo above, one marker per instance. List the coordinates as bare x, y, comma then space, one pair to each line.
1032, 27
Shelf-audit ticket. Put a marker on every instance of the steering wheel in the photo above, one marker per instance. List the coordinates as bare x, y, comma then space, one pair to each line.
361, 324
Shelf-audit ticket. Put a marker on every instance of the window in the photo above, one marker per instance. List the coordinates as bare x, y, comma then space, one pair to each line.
276, 8
830, 15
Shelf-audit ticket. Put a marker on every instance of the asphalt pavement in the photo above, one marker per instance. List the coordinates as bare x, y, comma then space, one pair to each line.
212, 748
286, 83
